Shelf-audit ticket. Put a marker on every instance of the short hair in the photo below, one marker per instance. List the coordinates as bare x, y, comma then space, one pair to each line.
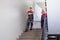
30, 7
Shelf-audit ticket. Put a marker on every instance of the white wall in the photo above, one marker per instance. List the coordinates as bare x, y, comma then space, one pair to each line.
37, 17
12, 19
37, 25
38, 0
53, 16
37, 13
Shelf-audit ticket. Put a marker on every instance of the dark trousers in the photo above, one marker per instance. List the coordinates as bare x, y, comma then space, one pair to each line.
42, 23
29, 21
28, 24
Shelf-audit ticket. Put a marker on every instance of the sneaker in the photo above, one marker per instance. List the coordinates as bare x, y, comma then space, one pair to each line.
30, 29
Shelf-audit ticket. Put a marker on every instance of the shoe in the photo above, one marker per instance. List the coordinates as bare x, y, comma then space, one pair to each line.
25, 30
30, 29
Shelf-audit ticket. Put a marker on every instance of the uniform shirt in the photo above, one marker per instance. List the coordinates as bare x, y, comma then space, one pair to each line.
30, 12
30, 16
44, 15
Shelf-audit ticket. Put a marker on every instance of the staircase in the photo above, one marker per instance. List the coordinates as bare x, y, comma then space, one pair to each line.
35, 34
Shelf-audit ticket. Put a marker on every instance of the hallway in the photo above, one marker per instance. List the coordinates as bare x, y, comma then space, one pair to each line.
13, 19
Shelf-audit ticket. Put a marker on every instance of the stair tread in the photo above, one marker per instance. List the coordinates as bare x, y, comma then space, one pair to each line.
31, 35
33, 32
29, 39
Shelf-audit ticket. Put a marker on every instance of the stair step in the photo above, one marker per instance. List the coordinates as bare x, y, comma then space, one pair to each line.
31, 35
30, 39
33, 32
